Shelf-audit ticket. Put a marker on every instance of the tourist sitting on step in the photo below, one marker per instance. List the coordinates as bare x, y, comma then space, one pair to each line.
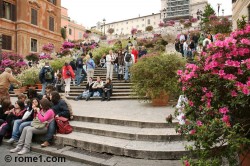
49, 88
15, 113
26, 120
107, 90
87, 91
60, 108
96, 88
39, 125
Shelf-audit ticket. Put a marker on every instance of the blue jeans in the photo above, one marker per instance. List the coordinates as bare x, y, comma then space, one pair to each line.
18, 128
51, 131
43, 88
127, 67
78, 75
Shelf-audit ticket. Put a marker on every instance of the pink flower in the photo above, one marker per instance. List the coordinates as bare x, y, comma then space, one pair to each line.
204, 89
186, 163
199, 123
234, 93
192, 132
225, 118
190, 103
240, 72
221, 73
230, 77
209, 94
245, 41
179, 72
224, 110
245, 90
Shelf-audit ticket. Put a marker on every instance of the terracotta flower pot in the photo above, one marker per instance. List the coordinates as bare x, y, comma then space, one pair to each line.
245, 158
18, 91
161, 100
39, 86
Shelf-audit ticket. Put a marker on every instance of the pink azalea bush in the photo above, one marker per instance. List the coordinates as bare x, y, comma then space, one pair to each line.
48, 47
68, 45
13, 61
133, 31
45, 56
217, 86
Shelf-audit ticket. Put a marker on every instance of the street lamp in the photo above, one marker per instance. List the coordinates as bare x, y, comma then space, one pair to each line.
164, 13
222, 12
1, 39
104, 25
218, 4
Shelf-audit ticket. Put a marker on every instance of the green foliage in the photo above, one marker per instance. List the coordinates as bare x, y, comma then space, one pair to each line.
149, 28
241, 23
100, 51
29, 76
63, 33
32, 57
156, 73
57, 64
205, 26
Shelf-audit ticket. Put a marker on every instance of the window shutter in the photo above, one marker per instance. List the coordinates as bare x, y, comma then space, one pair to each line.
6, 44
1, 8
34, 16
9, 43
13, 12
51, 23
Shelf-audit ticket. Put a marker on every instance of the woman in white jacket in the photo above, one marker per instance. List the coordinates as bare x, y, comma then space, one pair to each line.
110, 58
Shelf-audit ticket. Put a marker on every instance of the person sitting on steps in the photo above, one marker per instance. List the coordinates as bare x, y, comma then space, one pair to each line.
107, 90
97, 87
87, 91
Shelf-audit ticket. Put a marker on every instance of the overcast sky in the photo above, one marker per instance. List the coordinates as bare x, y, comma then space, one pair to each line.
89, 12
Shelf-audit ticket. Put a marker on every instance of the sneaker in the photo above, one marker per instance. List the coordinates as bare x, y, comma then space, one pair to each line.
11, 141
17, 149
23, 151
45, 144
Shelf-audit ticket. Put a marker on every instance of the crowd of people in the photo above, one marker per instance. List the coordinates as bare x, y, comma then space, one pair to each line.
31, 114
188, 44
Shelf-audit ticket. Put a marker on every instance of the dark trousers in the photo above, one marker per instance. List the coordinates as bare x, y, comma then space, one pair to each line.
106, 94
3, 131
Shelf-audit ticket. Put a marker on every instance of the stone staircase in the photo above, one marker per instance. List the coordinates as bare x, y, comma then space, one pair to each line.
121, 90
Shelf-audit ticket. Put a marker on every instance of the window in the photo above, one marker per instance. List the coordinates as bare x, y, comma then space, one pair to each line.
7, 11
70, 31
52, 1
33, 45
51, 24
6, 45
80, 35
33, 16
148, 21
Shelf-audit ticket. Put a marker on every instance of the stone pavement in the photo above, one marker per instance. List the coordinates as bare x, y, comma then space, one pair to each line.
98, 129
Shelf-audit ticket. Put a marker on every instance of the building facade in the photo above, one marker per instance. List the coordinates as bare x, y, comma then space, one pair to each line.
74, 31
26, 25
240, 8
170, 10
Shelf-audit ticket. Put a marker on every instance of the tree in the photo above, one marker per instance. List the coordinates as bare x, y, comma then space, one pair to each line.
149, 28
63, 33
205, 26
111, 31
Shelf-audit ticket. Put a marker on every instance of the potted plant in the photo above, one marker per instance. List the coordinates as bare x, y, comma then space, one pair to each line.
154, 76
216, 116
29, 77
32, 57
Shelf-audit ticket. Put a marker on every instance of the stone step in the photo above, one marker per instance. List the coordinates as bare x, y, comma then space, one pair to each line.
114, 90
113, 94
125, 132
114, 87
135, 149
124, 122
112, 98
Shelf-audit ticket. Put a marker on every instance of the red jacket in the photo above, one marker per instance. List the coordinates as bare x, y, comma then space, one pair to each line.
64, 72
135, 53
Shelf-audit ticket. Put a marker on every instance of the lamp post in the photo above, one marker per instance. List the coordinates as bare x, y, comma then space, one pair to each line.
1, 39
104, 20
222, 12
218, 4
164, 15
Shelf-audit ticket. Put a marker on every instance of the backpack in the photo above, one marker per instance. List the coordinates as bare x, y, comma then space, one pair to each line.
63, 126
48, 74
128, 58
79, 62
68, 73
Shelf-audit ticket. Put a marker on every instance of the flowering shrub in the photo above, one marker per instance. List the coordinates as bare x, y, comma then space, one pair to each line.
32, 57
111, 30
68, 45
217, 86
45, 56
103, 37
187, 24
48, 47
161, 24
13, 61
86, 35
193, 20
133, 31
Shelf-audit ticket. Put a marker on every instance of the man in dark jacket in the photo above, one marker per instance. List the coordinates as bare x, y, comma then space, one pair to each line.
46, 76
80, 70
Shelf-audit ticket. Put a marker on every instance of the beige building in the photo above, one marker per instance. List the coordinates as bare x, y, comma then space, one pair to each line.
240, 8
124, 27
74, 31
170, 10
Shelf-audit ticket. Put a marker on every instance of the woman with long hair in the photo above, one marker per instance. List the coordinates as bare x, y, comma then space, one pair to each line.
68, 74
44, 116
